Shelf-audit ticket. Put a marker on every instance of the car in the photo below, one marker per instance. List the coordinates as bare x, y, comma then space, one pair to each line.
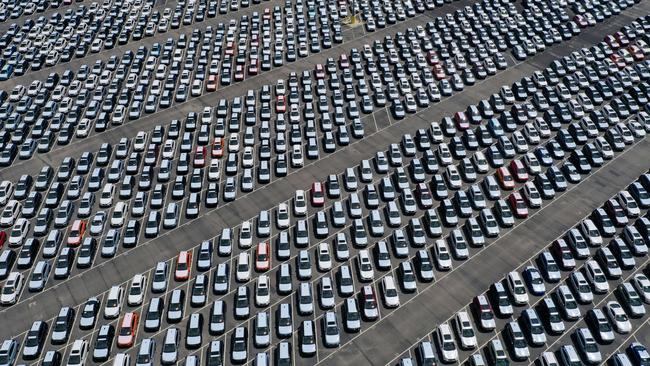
12, 288
78, 353
262, 257
127, 331
465, 331
299, 203
389, 291
483, 310
587, 346
617, 317
183, 266
137, 290
34, 341
638, 352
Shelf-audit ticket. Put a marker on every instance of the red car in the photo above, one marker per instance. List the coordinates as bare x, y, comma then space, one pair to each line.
76, 233
432, 58
253, 67
562, 254
518, 205
616, 213
622, 39
199, 157
636, 52
317, 194
368, 303
3, 238
319, 71
343, 61
484, 312
230, 48
505, 179
183, 266
462, 123
239, 72
213, 82
262, 257
438, 72
280, 104
612, 42
581, 21
217, 147
618, 61
519, 171
128, 330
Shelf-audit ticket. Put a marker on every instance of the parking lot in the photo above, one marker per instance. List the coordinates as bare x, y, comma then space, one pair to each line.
264, 183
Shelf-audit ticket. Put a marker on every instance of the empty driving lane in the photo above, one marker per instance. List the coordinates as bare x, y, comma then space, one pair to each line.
196, 104
390, 337
143, 257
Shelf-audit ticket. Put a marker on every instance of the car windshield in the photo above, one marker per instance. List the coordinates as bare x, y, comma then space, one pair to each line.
590, 347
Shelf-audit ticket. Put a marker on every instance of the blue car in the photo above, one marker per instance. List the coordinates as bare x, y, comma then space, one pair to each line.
534, 281
639, 354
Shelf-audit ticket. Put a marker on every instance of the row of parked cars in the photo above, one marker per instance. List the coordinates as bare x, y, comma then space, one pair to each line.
65, 185
10, 9
118, 219
98, 28
129, 93
593, 276
317, 196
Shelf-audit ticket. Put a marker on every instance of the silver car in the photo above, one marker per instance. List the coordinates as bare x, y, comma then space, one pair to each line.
331, 332
588, 347
169, 354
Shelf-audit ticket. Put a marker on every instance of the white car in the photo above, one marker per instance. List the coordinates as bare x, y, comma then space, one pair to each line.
282, 217
331, 333
596, 277
243, 272
19, 232
442, 255
300, 203
106, 198
169, 149
78, 353
390, 294
446, 344
245, 235
214, 170
532, 195
617, 317
12, 288
262, 291
6, 191
137, 290
140, 141
588, 346
324, 258
591, 233
465, 330
517, 288
366, 273
113, 305
10, 213
642, 286
326, 292
297, 160
119, 214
